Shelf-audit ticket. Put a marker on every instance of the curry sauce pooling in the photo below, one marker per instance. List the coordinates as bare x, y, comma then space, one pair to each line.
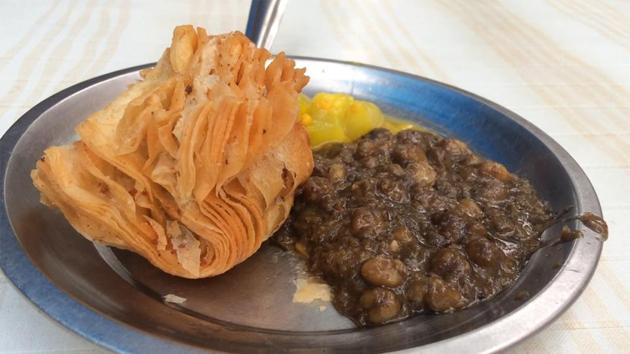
400, 224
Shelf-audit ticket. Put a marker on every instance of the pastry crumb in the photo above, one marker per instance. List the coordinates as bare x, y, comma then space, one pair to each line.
174, 299
311, 289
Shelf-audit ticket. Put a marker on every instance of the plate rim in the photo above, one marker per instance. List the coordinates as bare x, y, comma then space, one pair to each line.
118, 336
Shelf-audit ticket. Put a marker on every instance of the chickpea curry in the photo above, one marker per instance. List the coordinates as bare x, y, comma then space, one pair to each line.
401, 223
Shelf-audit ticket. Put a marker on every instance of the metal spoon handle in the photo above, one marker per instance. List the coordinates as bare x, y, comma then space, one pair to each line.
264, 20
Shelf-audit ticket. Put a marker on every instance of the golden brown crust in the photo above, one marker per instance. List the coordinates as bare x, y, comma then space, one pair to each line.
194, 166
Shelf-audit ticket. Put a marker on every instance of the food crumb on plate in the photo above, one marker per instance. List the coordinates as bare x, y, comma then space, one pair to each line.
311, 289
174, 299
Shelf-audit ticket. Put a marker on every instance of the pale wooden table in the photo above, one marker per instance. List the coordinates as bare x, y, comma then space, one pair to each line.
562, 64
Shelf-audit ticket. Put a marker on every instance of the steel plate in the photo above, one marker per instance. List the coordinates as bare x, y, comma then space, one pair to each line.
114, 298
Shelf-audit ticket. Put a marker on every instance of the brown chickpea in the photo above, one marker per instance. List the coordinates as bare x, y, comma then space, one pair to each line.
402, 235
408, 153
450, 263
483, 252
456, 148
394, 246
442, 296
382, 304
468, 207
422, 173
417, 290
366, 222
336, 172
493, 191
396, 169
496, 170
383, 271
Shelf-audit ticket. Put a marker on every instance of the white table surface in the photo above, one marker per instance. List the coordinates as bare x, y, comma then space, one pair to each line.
562, 64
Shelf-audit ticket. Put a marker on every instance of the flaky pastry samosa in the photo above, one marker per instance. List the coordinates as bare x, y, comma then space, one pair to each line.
194, 166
